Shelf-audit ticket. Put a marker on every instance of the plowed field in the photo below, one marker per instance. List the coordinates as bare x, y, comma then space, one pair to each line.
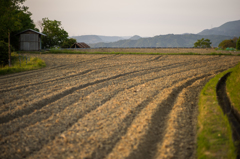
105, 106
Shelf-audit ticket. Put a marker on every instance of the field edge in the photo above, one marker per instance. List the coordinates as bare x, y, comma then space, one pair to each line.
214, 134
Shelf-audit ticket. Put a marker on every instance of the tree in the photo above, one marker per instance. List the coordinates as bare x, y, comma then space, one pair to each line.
56, 35
238, 44
26, 23
9, 20
228, 43
3, 53
203, 43
68, 43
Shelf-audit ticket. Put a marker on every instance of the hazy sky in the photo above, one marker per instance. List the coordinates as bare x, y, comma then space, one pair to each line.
135, 17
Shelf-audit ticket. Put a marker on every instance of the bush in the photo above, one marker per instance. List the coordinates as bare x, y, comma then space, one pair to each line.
238, 44
231, 43
68, 43
3, 53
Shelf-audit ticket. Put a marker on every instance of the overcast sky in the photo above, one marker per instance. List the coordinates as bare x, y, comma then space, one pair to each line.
145, 18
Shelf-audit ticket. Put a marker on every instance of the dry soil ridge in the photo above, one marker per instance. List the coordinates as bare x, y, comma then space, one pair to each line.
120, 109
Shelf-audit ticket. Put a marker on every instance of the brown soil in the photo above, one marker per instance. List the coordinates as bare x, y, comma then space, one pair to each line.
105, 106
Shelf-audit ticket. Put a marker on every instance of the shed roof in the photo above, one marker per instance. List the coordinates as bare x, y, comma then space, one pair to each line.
80, 45
32, 31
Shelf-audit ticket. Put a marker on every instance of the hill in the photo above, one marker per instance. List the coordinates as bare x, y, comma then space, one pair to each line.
170, 40
110, 38
228, 29
216, 35
91, 39
135, 37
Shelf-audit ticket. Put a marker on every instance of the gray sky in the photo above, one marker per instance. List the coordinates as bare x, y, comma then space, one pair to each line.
135, 17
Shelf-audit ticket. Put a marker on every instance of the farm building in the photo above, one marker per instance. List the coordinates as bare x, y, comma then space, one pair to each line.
30, 40
80, 45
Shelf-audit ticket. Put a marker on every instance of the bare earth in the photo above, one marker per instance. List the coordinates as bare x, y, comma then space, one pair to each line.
105, 106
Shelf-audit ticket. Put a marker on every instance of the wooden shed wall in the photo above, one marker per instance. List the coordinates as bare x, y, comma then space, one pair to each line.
29, 42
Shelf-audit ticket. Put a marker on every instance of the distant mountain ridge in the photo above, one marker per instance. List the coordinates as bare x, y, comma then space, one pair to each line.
228, 29
91, 39
135, 37
170, 40
216, 35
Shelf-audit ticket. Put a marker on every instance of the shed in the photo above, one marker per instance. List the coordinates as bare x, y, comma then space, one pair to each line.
30, 40
80, 45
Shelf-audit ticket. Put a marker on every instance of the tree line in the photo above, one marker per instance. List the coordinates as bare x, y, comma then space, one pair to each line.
229, 43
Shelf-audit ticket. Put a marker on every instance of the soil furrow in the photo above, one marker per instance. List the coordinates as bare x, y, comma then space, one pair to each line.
40, 82
62, 127
47, 80
35, 106
116, 134
122, 108
16, 75
179, 136
148, 146
53, 130
50, 76
137, 132
103, 151
141, 104
40, 101
27, 120
53, 80
68, 66
28, 110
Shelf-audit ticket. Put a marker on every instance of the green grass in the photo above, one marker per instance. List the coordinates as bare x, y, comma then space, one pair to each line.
214, 53
55, 51
233, 87
214, 136
34, 63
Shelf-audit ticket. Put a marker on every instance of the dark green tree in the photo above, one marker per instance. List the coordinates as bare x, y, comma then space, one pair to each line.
56, 35
238, 44
231, 43
203, 43
9, 20
68, 43
3, 53
26, 23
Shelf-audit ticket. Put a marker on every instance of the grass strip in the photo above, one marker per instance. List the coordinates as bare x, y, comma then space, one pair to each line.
233, 87
17, 66
127, 53
214, 136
